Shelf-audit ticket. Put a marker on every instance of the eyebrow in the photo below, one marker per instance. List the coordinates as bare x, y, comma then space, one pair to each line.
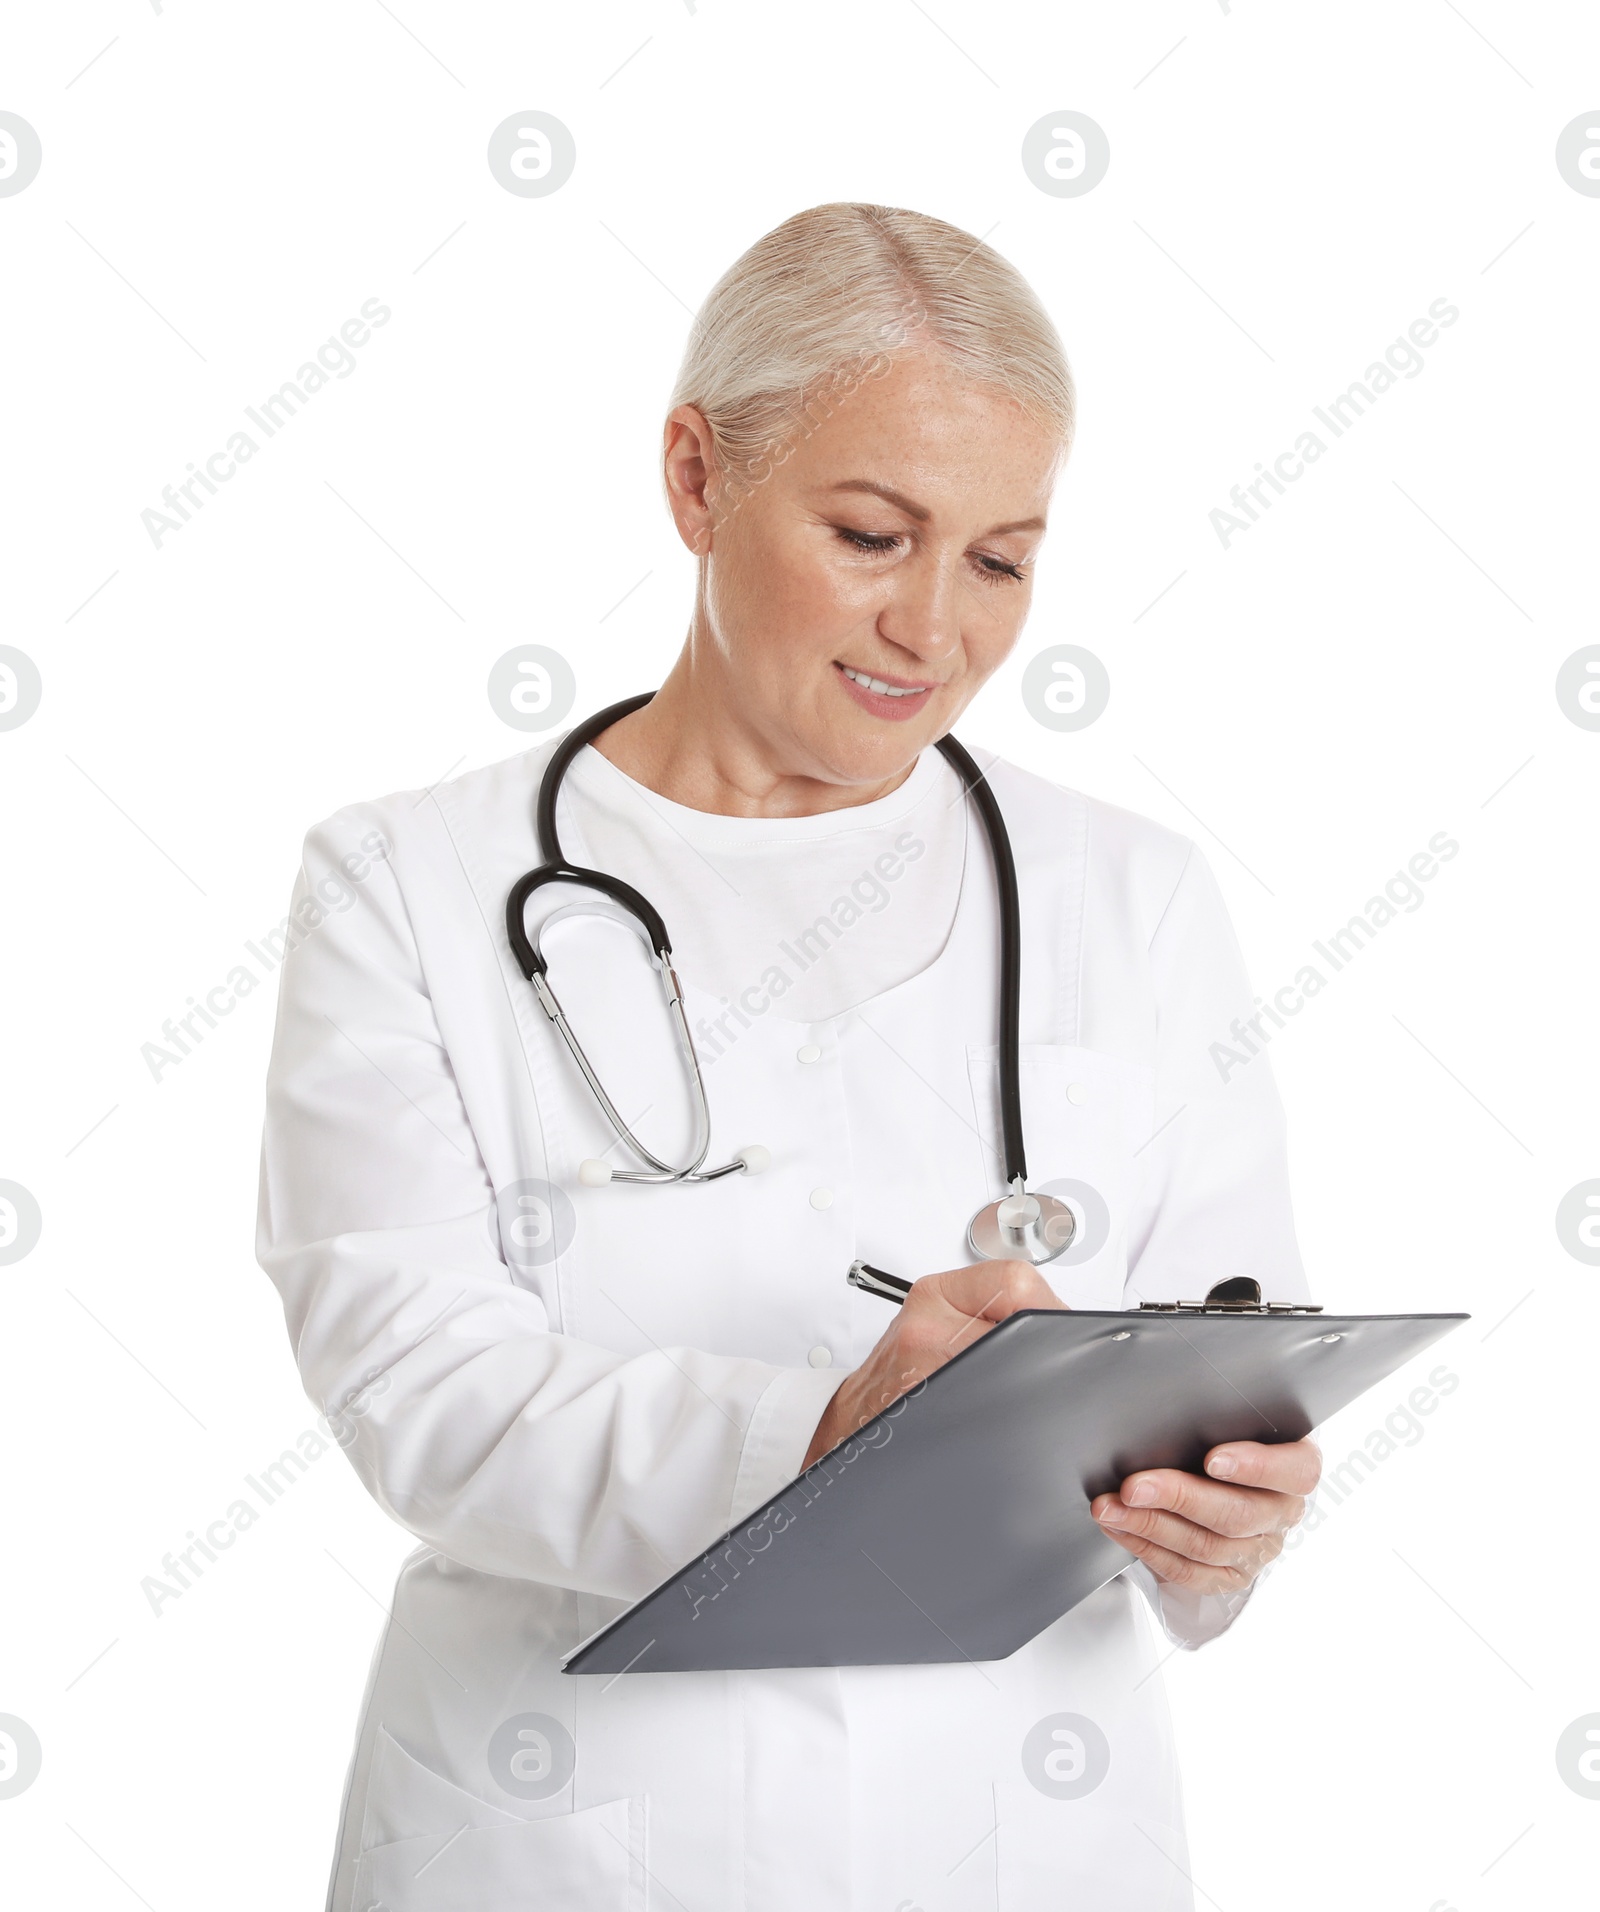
921, 513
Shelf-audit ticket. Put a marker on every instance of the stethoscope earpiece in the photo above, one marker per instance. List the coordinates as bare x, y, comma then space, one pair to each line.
593, 1173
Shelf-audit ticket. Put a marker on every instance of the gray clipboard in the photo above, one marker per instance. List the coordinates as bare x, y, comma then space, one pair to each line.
956, 1525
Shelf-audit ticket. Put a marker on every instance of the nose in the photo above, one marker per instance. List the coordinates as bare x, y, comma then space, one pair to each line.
922, 616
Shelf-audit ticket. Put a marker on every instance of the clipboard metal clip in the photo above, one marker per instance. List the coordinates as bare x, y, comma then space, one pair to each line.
1239, 1295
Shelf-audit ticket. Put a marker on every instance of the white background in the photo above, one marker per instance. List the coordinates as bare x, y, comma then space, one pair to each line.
1289, 189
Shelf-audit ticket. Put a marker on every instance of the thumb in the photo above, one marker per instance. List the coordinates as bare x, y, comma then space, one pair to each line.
992, 1290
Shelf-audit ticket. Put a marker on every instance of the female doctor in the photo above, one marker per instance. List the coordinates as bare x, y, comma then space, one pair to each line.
565, 1386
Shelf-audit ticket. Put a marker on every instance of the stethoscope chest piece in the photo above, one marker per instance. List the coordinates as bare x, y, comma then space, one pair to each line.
1022, 1227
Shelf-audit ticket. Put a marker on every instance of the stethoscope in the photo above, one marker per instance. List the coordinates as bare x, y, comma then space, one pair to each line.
1019, 1226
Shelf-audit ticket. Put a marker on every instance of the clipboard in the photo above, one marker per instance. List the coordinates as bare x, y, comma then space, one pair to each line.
955, 1525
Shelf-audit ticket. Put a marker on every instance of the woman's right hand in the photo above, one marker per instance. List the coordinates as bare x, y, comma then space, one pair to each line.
942, 1315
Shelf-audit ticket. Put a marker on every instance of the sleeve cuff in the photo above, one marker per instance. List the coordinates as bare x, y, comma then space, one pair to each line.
780, 1431
1187, 1618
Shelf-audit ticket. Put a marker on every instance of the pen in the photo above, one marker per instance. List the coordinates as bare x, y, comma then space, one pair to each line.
874, 1281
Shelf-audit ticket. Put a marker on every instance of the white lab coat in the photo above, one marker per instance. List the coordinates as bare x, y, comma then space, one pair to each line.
566, 1395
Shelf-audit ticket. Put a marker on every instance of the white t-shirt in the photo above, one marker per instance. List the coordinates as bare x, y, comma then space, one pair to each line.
841, 906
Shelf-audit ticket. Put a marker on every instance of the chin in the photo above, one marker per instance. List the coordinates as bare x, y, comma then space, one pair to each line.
871, 758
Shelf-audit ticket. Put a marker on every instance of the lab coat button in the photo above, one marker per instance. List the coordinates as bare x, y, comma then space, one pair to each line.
808, 1052
821, 1357
822, 1198
1077, 1092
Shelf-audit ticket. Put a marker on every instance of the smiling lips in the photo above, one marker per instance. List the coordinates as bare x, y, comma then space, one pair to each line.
883, 687
876, 695
896, 702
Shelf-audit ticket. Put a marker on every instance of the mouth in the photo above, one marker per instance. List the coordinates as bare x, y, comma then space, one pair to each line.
894, 698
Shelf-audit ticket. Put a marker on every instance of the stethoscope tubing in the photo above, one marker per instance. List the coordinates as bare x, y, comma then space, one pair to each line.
556, 869
1005, 880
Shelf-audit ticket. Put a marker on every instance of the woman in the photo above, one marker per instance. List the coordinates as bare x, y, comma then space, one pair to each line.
566, 1388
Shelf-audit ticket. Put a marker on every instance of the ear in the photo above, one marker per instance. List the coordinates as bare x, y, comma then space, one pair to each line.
690, 473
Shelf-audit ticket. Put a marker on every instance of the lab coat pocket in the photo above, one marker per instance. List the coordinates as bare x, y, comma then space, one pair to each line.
430, 1846
1086, 1116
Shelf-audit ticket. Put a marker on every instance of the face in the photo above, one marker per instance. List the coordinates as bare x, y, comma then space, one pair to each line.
854, 601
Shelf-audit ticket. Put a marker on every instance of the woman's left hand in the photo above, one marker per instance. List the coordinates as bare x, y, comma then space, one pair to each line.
1213, 1534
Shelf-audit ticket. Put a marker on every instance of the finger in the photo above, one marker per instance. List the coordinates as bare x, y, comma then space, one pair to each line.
1225, 1510
1181, 1570
1290, 1467
991, 1290
1179, 1536
931, 1329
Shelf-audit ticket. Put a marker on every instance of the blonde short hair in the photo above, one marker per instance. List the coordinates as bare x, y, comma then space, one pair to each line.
830, 298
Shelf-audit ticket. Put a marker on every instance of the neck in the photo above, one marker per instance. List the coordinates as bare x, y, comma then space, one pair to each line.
693, 745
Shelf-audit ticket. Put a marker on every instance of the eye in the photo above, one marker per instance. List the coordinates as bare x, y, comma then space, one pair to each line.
868, 540
993, 567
